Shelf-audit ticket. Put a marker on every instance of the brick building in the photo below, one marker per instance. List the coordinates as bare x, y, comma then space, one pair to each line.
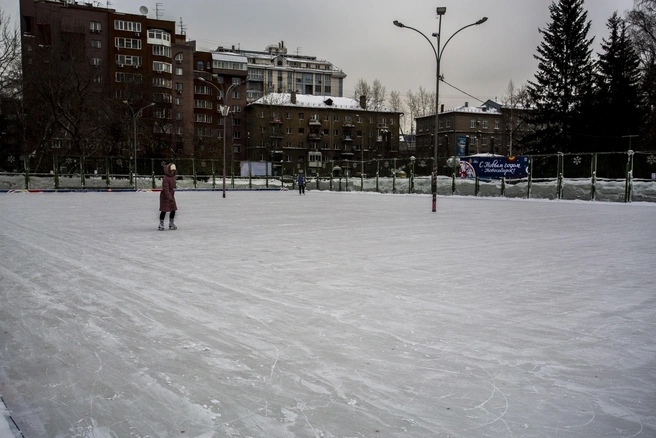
305, 132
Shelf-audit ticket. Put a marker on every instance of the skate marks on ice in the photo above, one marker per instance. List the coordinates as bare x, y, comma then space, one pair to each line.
278, 338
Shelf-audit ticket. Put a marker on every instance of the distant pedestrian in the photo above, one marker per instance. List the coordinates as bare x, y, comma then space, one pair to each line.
167, 197
301, 184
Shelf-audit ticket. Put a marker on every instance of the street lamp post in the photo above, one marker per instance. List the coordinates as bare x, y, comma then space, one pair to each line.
224, 110
135, 114
438, 57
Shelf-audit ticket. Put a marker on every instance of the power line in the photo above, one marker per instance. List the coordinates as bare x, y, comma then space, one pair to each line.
462, 91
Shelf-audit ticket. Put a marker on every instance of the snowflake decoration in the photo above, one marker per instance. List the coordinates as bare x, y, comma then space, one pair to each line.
119, 162
423, 163
11, 159
203, 164
386, 164
577, 160
69, 160
651, 159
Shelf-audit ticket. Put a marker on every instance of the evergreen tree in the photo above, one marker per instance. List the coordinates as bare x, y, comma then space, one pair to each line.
563, 88
619, 111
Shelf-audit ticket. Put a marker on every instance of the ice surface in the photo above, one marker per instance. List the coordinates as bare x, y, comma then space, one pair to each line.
269, 314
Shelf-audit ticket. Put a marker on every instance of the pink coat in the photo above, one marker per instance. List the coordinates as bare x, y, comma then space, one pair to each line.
167, 195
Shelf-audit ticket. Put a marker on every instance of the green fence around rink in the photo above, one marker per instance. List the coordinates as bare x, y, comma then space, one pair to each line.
619, 177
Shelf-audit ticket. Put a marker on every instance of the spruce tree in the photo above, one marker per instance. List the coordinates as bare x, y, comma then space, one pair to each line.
563, 86
619, 111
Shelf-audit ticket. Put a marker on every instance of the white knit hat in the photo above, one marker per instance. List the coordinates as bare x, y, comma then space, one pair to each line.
172, 167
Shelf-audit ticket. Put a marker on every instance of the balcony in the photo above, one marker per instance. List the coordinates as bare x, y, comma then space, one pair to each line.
315, 122
275, 121
313, 136
347, 139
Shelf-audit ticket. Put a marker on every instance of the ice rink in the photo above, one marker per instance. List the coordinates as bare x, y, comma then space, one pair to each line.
269, 314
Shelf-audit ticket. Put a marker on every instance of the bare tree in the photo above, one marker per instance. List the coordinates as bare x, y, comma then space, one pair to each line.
396, 104
516, 100
378, 95
63, 92
642, 26
10, 57
375, 94
362, 88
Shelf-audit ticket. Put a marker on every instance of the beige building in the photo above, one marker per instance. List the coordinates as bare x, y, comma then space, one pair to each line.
275, 70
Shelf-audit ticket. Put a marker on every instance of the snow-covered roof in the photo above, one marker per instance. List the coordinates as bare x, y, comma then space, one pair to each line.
229, 57
473, 109
312, 101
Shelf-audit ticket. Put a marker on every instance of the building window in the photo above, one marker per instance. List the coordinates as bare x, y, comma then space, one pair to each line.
130, 26
472, 123
203, 118
128, 60
95, 27
178, 71
157, 35
202, 104
203, 89
96, 44
484, 124
127, 43
162, 51
301, 116
162, 67
162, 82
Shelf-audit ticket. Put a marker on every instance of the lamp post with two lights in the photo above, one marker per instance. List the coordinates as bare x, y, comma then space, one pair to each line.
438, 57
224, 110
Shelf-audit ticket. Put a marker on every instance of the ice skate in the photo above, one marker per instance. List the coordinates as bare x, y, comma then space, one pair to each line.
172, 225
161, 226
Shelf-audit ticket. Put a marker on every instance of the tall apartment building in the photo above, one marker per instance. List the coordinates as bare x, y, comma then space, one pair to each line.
275, 70
106, 81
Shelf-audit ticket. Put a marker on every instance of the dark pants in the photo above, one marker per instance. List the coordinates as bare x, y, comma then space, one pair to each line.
163, 214
301, 189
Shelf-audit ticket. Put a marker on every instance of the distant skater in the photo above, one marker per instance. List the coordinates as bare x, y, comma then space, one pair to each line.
167, 197
301, 184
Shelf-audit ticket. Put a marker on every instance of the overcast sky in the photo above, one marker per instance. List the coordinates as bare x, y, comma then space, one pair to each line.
358, 37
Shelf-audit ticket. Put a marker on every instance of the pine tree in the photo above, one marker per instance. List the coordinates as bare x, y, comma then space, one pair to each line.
619, 111
563, 86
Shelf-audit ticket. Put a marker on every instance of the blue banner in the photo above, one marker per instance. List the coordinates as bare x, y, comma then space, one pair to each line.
494, 167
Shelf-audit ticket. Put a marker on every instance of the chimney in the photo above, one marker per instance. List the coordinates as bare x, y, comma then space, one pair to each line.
363, 102
466, 104
442, 108
293, 97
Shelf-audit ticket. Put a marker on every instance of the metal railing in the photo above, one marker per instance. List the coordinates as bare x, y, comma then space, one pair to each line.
620, 177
